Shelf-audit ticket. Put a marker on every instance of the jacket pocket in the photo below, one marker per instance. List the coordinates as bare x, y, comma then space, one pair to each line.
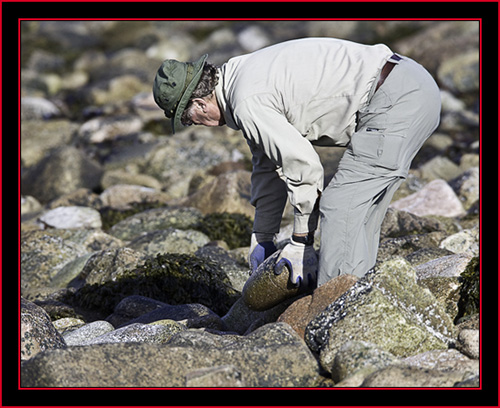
378, 148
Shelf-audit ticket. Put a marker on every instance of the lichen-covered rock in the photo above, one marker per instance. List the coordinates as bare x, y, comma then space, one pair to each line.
37, 331
386, 307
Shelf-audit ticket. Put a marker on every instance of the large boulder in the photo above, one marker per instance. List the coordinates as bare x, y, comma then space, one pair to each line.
386, 307
272, 356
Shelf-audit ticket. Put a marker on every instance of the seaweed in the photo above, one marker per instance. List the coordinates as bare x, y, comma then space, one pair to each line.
234, 229
169, 278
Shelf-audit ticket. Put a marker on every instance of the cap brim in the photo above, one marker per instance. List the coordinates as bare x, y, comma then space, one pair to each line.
198, 69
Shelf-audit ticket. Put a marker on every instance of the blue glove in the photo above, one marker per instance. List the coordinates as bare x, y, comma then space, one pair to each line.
302, 262
259, 252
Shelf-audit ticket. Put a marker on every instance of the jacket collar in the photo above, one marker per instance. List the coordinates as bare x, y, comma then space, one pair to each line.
222, 101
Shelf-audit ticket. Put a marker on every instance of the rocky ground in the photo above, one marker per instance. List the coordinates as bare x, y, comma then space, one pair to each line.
133, 241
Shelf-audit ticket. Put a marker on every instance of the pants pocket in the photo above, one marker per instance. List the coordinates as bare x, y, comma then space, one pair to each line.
378, 148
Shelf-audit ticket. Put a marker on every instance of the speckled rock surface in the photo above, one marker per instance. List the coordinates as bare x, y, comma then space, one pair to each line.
387, 308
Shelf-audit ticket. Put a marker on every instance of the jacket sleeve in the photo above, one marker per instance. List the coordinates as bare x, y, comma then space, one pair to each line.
268, 194
294, 160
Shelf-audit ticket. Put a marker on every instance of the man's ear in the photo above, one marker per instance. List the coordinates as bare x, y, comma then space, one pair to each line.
200, 103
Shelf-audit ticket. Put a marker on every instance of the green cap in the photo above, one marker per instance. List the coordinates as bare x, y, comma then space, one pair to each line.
173, 86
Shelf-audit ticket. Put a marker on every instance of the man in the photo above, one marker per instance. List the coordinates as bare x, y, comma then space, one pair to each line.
316, 91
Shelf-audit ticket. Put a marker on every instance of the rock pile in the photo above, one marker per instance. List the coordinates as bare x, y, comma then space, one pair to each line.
133, 241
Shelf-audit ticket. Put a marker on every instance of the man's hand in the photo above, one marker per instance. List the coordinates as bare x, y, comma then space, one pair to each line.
260, 250
301, 260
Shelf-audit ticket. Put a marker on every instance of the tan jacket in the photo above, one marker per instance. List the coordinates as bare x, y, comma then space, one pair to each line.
287, 97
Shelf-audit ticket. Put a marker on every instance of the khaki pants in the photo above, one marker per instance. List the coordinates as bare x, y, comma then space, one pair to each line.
400, 116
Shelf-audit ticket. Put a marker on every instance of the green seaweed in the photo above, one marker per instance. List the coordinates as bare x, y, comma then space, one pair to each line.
234, 229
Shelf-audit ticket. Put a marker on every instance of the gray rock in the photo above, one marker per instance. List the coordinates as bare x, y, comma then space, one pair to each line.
466, 186
37, 331
463, 242
170, 240
154, 220
243, 320
131, 307
72, 217
461, 73
135, 333
354, 356
103, 129
38, 138
272, 356
386, 307
448, 266
237, 273
468, 343
398, 223
401, 376
120, 196
108, 265
229, 192
60, 172
444, 360
45, 253
219, 376
192, 315
33, 108
86, 333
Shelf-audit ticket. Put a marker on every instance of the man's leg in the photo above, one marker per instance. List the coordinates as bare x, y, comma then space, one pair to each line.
402, 114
